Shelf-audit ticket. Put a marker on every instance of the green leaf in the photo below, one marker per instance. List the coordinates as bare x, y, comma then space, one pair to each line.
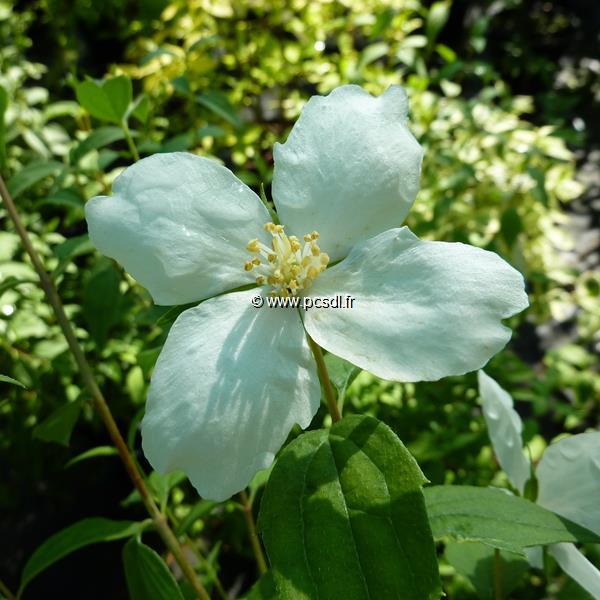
107, 100
141, 108
31, 174
7, 379
497, 518
220, 105
59, 425
92, 453
436, 19
3, 107
78, 535
11, 282
201, 509
70, 249
342, 373
161, 485
510, 226
343, 516
102, 301
103, 136
148, 577
476, 562
264, 589
67, 197
372, 53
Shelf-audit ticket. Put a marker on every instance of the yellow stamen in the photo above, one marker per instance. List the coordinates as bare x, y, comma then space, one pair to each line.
290, 265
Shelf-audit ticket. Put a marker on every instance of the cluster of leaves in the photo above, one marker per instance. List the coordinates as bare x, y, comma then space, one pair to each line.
227, 79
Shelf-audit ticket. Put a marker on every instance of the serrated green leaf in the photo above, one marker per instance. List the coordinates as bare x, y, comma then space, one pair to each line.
32, 174
103, 136
59, 425
476, 562
148, 577
107, 100
7, 379
74, 537
497, 518
93, 453
343, 516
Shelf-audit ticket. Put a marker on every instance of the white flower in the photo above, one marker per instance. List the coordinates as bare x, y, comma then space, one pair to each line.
568, 476
232, 380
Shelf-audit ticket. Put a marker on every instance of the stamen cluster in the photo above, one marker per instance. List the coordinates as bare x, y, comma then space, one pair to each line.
287, 266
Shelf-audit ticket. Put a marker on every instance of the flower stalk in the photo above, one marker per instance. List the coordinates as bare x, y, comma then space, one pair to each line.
497, 575
332, 404
129, 139
6, 592
98, 399
259, 556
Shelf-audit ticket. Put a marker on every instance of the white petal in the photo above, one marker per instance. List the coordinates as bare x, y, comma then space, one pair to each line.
578, 567
535, 556
505, 427
423, 310
179, 224
350, 167
569, 479
229, 384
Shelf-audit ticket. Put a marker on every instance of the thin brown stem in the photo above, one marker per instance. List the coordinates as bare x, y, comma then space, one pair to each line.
497, 575
259, 556
98, 400
6, 592
332, 404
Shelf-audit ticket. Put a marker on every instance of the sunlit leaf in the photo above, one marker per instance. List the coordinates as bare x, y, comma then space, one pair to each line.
497, 518
32, 174
107, 100
93, 453
103, 136
7, 379
343, 516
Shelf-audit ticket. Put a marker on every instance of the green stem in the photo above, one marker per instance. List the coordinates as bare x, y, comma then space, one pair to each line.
261, 563
199, 554
4, 590
129, 140
160, 523
497, 575
332, 404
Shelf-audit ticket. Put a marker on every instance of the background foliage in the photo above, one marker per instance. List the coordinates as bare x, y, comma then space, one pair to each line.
503, 97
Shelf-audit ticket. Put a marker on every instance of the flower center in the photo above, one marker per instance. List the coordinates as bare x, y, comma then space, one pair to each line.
287, 266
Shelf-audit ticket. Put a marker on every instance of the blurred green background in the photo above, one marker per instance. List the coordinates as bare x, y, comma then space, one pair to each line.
504, 98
